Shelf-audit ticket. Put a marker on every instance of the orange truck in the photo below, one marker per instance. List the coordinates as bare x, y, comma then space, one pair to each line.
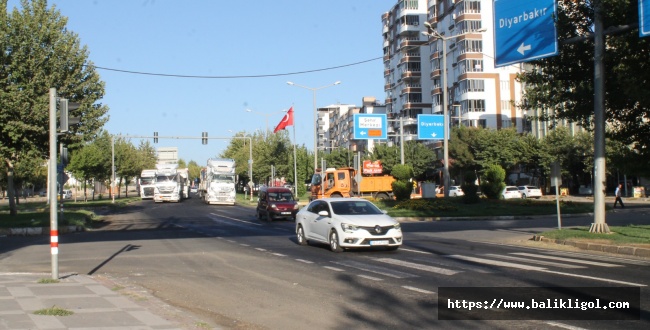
346, 182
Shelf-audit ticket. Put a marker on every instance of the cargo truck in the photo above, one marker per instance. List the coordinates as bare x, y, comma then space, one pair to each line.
147, 184
169, 184
185, 177
218, 180
346, 182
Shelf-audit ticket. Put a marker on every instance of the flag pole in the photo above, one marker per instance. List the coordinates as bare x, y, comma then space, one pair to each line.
295, 166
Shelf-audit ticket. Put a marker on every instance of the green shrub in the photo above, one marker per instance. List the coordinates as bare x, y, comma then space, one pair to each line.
402, 190
402, 172
492, 183
426, 204
470, 189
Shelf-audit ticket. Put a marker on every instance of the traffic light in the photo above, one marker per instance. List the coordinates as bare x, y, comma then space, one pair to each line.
64, 156
155, 137
64, 120
204, 138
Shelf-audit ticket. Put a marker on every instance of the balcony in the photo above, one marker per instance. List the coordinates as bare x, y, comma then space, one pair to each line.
411, 89
411, 74
435, 73
386, 58
411, 43
407, 28
415, 105
436, 91
410, 58
386, 73
387, 87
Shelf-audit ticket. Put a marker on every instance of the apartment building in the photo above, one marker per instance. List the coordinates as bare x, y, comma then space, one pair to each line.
478, 94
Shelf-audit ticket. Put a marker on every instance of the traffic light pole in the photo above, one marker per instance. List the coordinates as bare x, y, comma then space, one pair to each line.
52, 193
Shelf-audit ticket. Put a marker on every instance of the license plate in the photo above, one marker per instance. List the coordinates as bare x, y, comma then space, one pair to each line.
285, 213
382, 242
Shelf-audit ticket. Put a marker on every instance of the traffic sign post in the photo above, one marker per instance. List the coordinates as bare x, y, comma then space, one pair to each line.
431, 127
370, 126
524, 31
644, 18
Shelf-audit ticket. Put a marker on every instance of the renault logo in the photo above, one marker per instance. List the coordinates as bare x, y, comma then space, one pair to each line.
377, 229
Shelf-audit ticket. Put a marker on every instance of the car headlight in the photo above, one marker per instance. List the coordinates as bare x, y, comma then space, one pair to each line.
348, 227
397, 226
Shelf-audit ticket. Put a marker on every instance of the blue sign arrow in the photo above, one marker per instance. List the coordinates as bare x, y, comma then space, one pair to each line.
524, 31
431, 127
644, 18
370, 126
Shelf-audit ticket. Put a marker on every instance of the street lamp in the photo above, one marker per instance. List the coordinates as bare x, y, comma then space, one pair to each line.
267, 115
315, 116
432, 33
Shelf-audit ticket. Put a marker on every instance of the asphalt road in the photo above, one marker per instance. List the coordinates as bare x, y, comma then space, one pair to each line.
232, 271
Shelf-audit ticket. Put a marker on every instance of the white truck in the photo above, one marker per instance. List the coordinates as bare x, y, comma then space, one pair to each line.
218, 180
147, 184
169, 185
185, 177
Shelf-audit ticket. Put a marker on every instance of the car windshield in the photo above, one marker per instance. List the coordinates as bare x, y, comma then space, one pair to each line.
166, 178
226, 178
355, 207
281, 197
511, 189
146, 180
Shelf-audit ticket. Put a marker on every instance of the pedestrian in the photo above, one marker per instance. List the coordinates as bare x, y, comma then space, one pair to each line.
618, 193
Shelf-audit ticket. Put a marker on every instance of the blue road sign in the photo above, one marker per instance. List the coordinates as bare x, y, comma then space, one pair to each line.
524, 31
370, 126
431, 127
644, 18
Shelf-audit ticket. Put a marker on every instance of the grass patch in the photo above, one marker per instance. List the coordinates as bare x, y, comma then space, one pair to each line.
80, 213
623, 235
48, 281
54, 311
454, 207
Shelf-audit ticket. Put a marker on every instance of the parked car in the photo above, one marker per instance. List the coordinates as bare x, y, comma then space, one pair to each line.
42, 193
510, 192
276, 202
455, 191
345, 223
530, 192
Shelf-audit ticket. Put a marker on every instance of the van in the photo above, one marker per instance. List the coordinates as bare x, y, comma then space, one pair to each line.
276, 202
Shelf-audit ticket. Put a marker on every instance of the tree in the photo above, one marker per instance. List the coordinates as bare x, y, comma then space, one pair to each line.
126, 163
564, 83
492, 184
39, 53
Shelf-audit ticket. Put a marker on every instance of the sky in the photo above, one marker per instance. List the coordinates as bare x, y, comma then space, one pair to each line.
223, 45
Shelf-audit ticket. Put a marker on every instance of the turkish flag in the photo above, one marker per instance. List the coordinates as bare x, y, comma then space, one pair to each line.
287, 120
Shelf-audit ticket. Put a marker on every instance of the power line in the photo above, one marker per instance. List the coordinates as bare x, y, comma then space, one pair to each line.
234, 77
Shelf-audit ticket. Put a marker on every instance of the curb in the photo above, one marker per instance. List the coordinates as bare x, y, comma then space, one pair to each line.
624, 250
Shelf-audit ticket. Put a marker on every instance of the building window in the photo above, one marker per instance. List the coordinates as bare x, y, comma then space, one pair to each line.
473, 105
505, 86
506, 106
469, 7
471, 85
469, 26
506, 123
470, 46
470, 65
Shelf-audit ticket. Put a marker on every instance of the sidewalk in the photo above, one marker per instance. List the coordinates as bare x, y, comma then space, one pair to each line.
96, 303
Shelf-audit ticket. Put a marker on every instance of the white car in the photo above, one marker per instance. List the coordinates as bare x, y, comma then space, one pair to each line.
510, 192
455, 191
344, 223
530, 192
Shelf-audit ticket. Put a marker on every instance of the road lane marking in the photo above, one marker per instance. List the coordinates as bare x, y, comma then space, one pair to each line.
413, 265
305, 261
279, 254
234, 219
417, 289
370, 277
494, 262
333, 268
415, 251
260, 249
592, 278
564, 326
537, 262
593, 263
374, 269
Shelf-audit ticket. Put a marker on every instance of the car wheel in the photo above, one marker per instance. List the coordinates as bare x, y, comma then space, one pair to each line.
382, 196
300, 235
334, 242
258, 215
523, 196
268, 216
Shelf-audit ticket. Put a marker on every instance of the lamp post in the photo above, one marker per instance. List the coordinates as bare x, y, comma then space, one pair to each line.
267, 115
432, 33
315, 116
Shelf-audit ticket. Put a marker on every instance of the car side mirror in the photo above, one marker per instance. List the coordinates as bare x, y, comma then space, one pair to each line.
324, 213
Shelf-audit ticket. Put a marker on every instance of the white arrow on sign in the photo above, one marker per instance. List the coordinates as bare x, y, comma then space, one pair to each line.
523, 48
363, 133
434, 134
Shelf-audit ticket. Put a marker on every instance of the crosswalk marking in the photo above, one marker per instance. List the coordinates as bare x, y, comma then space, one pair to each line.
426, 268
537, 262
374, 269
417, 289
593, 263
603, 257
494, 262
